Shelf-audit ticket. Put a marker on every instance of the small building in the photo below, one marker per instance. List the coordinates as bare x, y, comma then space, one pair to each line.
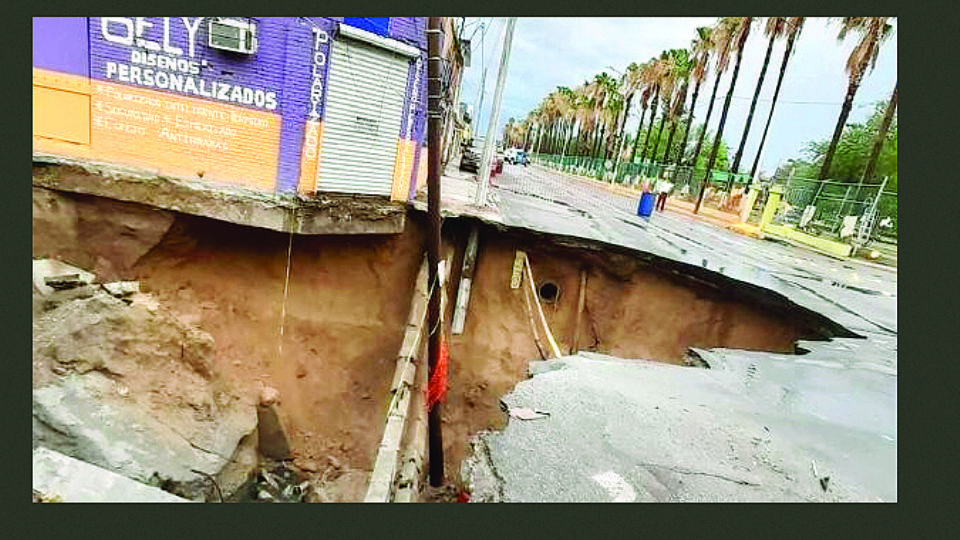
283, 105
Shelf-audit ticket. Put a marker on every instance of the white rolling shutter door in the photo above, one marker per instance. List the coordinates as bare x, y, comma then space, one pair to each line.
365, 92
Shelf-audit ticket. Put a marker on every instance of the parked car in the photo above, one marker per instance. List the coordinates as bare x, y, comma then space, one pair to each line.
469, 161
520, 158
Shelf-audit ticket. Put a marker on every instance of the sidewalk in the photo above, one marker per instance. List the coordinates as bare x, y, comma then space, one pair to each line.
674, 205
458, 191
710, 215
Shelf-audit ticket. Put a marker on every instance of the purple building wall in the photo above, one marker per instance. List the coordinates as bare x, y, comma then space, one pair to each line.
61, 44
279, 76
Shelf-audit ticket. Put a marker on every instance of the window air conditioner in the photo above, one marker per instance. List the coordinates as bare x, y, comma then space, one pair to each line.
232, 35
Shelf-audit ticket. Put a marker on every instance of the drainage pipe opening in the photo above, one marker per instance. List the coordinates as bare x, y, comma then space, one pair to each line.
549, 292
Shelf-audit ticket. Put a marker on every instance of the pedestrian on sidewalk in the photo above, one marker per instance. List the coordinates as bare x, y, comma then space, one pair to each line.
664, 187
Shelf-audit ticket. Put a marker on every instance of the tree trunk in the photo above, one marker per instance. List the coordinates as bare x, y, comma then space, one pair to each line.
842, 121
706, 123
881, 137
723, 120
663, 121
598, 142
636, 141
623, 128
653, 116
753, 105
773, 104
673, 125
686, 130
570, 130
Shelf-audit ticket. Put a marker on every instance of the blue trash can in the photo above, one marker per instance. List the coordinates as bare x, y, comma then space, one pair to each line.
645, 208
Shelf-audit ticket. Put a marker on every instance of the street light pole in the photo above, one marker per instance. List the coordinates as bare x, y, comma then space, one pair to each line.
484, 175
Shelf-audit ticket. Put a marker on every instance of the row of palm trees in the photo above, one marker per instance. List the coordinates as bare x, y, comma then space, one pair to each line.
590, 119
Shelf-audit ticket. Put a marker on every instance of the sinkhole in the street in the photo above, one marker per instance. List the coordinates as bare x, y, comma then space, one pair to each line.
344, 301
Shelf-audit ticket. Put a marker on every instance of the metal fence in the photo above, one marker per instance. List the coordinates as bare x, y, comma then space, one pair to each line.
686, 180
858, 213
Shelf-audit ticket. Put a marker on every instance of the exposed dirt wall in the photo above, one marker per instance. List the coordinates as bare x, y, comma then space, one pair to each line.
631, 311
346, 307
102, 235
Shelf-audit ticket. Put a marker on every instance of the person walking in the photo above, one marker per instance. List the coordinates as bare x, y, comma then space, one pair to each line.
664, 187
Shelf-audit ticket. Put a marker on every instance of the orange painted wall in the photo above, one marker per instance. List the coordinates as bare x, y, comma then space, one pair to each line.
310, 157
159, 131
403, 170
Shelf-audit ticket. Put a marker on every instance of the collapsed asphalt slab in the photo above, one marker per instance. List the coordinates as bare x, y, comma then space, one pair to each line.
755, 427
859, 296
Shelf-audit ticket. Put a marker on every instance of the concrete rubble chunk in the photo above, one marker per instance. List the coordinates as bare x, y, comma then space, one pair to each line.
273, 438
60, 477
72, 416
59, 274
63, 282
133, 391
122, 289
57, 297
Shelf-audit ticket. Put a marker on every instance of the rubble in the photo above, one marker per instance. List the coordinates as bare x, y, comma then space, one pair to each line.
126, 386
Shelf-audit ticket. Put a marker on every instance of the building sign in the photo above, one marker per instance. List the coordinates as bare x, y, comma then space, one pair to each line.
162, 99
169, 61
313, 129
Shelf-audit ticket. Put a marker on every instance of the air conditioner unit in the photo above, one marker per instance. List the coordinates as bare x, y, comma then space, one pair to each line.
234, 35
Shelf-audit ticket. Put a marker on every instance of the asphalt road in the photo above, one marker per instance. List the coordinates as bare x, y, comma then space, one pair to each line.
754, 427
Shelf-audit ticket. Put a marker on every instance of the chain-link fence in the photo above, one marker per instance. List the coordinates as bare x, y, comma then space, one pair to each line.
857, 213
851, 212
686, 180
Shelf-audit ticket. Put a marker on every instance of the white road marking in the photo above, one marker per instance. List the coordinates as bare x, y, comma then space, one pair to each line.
618, 488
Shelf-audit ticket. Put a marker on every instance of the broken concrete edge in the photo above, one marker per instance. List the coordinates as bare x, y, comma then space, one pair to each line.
47, 268
697, 276
63, 478
323, 214
52, 278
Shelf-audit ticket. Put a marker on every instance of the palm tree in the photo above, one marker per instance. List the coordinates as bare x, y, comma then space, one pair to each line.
881, 137
739, 30
601, 92
508, 131
654, 76
735, 168
698, 72
873, 32
628, 87
568, 108
680, 66
645, 91
720, 37
668, 83
565, 106
780, 27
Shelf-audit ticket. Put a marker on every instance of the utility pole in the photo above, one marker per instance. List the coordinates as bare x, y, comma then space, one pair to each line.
433, 236
476, 121
484, 175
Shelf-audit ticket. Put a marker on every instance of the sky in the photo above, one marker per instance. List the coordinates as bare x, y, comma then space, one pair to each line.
551, 52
